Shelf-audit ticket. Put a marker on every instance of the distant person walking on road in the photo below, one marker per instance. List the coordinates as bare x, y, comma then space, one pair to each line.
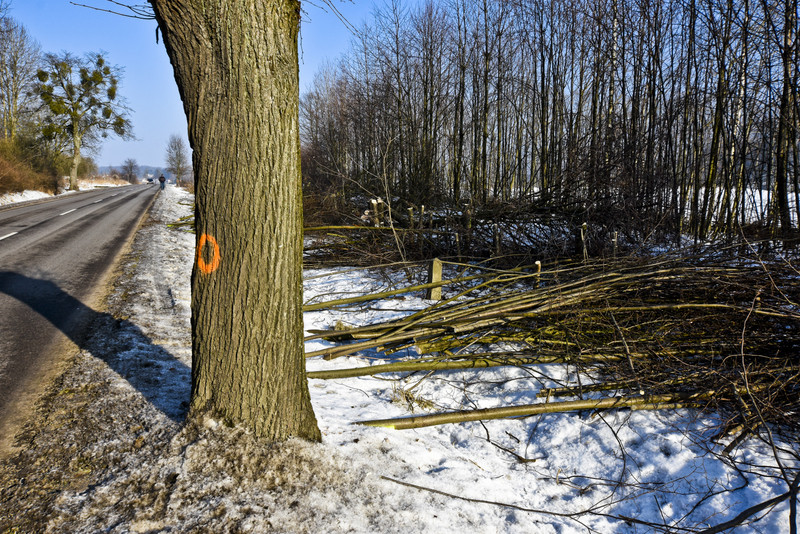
162, 180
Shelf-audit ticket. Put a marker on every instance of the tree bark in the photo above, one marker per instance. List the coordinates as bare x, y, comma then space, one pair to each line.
76, 159
785, 134
236, 65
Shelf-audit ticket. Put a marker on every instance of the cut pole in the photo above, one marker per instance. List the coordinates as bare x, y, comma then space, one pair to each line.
439, 364
646, 402
434, 276
376, 220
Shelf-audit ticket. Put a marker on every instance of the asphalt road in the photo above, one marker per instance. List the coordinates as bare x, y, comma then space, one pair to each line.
54, 256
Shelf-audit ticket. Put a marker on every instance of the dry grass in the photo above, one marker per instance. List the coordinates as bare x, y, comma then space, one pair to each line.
16, 176
100, 181
188, 186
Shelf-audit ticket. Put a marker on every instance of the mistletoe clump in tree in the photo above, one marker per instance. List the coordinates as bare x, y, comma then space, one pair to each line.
81, 97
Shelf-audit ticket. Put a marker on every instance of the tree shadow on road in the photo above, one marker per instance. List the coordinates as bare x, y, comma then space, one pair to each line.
158, 375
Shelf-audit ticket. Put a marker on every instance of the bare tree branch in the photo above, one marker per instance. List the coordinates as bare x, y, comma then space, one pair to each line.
141, 11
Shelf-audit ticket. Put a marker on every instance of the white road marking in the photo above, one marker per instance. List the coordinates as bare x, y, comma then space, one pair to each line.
70, 211
8, 235
96, 201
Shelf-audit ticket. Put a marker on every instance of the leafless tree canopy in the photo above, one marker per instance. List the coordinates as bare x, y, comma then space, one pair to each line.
654, 119
177, 158
19, 60
130, 171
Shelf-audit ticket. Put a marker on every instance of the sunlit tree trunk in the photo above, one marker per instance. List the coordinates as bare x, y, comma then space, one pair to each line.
236, 65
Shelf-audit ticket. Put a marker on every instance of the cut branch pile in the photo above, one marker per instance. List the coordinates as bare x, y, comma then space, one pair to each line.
721, 332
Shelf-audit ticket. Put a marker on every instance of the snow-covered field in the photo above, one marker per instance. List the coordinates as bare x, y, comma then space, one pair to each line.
610, 472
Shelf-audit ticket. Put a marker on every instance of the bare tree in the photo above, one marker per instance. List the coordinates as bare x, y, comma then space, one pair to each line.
19, 61
177, 159
130, 171
787, 120
606, 112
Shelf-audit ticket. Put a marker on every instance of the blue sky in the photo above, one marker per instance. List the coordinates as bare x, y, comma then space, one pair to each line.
148, 84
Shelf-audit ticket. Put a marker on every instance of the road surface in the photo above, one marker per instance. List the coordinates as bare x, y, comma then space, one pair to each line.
54, 256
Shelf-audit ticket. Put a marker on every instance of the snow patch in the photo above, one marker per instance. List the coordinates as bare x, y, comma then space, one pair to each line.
24, 196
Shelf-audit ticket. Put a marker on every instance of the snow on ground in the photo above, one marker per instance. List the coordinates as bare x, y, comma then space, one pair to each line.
24, 196
611, 471
84, 185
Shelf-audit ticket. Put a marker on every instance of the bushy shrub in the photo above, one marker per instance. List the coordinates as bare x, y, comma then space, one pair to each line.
17, 176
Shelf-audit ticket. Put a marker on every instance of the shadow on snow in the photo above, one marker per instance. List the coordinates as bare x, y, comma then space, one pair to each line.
160, 377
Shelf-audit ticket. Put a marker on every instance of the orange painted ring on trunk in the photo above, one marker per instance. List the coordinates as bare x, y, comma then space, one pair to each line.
213, 265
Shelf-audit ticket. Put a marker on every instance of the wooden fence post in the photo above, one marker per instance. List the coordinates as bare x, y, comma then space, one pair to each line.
434, 275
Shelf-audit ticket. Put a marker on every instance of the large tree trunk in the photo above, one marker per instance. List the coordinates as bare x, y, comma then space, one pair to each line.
235, 62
